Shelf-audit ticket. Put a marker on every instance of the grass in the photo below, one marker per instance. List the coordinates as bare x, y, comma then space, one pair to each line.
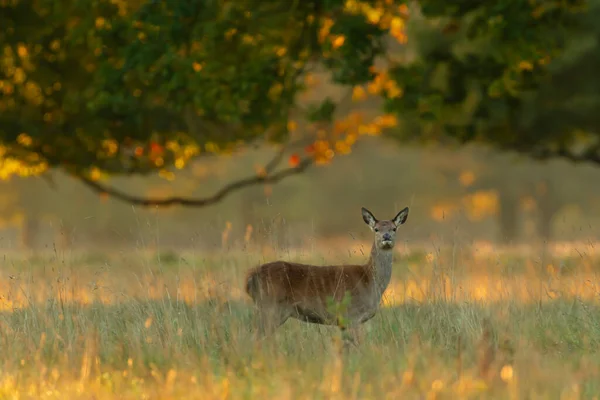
456, 323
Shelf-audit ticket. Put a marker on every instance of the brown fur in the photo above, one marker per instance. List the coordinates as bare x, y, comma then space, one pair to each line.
287, 282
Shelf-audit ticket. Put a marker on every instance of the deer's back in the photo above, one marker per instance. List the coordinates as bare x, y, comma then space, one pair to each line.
282, 281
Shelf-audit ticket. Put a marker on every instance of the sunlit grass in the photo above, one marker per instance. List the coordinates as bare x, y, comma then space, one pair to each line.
458, 322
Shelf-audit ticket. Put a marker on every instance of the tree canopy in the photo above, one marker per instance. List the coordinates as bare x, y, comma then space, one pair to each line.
106, 87
511, 74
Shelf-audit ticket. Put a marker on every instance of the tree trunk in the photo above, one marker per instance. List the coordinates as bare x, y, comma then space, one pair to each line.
508, 217
249, 205
29, 230
65, 236
548, 206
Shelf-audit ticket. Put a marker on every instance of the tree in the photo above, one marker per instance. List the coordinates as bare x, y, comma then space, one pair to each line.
499, 73
136, 87
513, 75
110, 87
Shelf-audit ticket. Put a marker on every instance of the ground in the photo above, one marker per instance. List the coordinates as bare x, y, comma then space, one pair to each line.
470, 321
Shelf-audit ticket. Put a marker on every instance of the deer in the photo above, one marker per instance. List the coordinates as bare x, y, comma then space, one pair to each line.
281, 289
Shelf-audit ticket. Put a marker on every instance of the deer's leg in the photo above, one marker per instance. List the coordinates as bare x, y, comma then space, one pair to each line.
349, 336
270, 317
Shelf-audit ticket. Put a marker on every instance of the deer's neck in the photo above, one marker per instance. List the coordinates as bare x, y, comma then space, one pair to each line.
381, 265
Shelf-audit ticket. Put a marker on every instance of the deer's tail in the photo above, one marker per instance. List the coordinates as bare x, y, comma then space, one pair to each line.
253, 285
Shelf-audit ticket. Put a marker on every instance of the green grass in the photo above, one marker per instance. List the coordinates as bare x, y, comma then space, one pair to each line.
143, 326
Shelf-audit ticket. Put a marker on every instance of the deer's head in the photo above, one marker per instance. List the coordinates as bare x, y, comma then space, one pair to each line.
385, 231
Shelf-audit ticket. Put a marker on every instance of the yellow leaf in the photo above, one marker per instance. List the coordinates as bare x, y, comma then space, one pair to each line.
342, 147
387, 121
168, 175
173, 146
350, 139
275, 90
525, 66
340, 127
100, 22
179, 163
24, 139
248, 39
229, 34
373, 15
325, 28
55, 45
403, 9
358, 93
352, 6
197, 66
397, 25
400, 37
95, 174
211, 147
321, 146
7, 88
374, 130
369, 129
111, 146
392, 90
374, 87
310, 79
191, 150
338, 41
19, 76
377, 85
291, 126
355, 118
22, 51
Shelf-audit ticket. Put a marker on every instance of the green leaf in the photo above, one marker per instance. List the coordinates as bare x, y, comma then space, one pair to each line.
322, 112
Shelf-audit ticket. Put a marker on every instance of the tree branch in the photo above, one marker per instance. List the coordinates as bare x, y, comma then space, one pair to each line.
205, 201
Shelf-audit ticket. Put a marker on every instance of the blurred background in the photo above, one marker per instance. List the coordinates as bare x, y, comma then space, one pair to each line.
483, 119
471, 194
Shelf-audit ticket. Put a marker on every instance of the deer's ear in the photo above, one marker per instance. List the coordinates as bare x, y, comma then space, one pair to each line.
401, 217
368, 217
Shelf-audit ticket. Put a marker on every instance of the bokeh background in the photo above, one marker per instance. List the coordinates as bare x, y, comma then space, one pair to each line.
470, 194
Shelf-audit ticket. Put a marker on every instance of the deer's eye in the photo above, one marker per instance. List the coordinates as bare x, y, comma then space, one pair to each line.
376, 229
394, 229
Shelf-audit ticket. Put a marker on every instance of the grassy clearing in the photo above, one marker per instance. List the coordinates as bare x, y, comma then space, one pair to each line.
455, 324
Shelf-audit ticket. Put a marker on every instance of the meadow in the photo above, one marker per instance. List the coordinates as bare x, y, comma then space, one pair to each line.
468, 321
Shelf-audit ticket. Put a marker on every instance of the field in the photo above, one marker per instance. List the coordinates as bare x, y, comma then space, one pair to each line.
471, 321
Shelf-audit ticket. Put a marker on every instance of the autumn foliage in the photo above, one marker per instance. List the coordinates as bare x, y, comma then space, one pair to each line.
138, 87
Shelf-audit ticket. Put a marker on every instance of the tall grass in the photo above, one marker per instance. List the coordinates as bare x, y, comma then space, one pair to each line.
455, 324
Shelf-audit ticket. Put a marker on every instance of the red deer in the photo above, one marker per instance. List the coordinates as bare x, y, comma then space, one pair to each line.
283, 289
